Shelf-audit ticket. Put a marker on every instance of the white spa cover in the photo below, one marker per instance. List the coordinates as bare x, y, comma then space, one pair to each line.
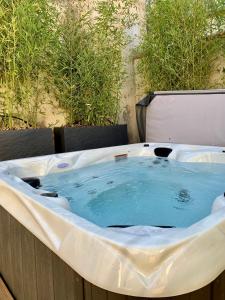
189, 118
139, 261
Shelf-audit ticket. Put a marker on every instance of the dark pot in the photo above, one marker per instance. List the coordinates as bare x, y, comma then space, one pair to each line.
23, 143
69, 139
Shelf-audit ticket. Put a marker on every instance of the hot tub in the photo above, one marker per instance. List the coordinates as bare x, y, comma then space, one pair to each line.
118, 250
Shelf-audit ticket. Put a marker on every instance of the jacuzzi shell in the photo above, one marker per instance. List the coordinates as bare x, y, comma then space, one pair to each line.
140, 261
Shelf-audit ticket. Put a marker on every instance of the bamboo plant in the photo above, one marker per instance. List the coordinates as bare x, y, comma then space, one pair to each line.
27, 41
76, 54
180, 43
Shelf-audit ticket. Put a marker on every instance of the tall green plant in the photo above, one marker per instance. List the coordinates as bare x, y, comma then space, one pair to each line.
181, 43
89, 70
77, 52
27, 42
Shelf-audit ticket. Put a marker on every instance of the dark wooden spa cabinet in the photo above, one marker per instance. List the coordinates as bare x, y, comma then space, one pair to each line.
33, 272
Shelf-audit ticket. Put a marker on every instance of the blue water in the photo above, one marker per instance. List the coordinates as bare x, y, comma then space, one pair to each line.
141, 191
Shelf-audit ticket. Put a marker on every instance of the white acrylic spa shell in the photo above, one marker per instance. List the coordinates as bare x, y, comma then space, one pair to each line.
140, 261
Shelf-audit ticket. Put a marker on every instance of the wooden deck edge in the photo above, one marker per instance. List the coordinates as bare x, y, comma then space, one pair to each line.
4, 292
